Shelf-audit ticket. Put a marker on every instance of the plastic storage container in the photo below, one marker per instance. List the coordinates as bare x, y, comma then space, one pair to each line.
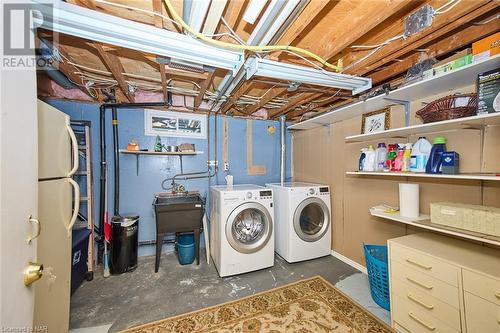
420, 154
124, 243
378, 274
186, 249
79, 255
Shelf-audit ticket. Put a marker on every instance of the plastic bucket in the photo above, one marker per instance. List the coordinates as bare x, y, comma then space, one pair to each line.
185, 249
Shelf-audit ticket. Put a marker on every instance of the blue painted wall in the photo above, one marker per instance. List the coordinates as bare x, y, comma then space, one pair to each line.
137, 191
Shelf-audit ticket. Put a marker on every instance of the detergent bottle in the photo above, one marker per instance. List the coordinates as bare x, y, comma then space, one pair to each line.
406, 158
420, 154
436, 156
370, 159
362, 157
391, 156
398, 161
381, 153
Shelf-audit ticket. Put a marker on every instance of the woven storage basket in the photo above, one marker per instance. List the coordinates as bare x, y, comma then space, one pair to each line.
445, 109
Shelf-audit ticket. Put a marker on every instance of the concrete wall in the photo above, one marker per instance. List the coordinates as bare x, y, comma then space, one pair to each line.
137, 191
321, 155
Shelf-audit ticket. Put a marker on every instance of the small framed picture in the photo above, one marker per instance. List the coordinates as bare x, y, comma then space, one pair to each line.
178, 124
376, 121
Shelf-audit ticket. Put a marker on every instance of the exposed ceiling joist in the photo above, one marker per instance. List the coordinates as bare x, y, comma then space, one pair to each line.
300, 112
462, 14
113, 64
293, 103
158, 8
213, 17
456, 41
203, 88
243, 89
175, 72
275, 92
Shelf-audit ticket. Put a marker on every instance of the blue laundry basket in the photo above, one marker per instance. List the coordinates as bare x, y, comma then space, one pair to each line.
185, 249
378, 273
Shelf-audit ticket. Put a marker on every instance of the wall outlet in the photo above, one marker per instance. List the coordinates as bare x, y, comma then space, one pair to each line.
226, 166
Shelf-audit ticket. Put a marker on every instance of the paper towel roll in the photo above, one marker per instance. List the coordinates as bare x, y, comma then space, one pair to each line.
409, 200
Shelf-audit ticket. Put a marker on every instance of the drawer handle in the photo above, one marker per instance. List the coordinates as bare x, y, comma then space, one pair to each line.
419, 302
497, 295
421, 322
418, 264
420, 284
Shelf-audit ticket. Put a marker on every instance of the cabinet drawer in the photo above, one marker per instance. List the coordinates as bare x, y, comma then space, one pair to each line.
426, 264
481, 315
427, 304
483, 286
415, 320
434, 287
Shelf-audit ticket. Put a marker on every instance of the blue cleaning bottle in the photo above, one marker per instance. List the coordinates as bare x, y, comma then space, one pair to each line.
436, 156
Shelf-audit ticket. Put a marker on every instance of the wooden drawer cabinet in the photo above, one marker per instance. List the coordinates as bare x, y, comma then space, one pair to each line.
480, 315
425, 303
483, 286
426, 264
440, 284
432, 286
417, 320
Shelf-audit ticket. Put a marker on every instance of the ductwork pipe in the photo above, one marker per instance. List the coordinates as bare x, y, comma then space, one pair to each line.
283, 149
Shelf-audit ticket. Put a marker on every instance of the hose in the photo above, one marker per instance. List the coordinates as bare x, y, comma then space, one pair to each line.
254, 48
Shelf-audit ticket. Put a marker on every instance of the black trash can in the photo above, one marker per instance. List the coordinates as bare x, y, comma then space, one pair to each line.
124, 243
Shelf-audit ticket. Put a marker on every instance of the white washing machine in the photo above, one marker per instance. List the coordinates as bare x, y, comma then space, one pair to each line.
242, 228
302, 220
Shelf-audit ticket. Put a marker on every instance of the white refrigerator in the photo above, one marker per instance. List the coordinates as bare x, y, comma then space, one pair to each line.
58, 205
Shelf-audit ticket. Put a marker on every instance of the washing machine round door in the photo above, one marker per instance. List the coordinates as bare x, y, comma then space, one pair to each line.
249, 227
311, 219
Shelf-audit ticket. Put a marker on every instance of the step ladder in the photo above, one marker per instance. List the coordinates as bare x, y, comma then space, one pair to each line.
84, 176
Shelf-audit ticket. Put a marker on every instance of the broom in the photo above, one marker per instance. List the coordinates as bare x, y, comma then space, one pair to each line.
107, 228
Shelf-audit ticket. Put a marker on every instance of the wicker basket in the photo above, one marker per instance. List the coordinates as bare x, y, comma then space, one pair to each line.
445, 109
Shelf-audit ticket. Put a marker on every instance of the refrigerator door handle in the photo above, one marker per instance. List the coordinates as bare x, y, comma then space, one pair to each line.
74, 145
76, 208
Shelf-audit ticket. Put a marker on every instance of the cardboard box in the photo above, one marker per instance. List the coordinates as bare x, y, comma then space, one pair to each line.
482, 219
486, 47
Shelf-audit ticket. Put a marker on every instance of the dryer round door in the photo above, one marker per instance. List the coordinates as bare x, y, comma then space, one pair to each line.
311, 219
249, 227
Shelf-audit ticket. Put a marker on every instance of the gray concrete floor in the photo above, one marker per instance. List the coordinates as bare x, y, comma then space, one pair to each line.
142, 296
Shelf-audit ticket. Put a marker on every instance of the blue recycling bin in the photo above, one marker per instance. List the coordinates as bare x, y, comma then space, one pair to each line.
186, 249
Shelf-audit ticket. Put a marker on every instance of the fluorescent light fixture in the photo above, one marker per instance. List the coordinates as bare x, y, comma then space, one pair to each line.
294, 73
198, 12
89, 24
253, 10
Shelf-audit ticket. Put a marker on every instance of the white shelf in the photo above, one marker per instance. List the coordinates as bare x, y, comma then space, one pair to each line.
424, 222
403, 132
456, 79
463, 176
152, 152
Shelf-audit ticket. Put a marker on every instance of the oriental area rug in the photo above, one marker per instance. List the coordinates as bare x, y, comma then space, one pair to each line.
307, 306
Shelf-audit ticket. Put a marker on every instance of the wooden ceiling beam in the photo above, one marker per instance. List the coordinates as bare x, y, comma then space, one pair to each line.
275, 92
297, 113
242, 89
293, 103
456, 41
158, 8
305, 18
349, 28
203, 88
113, 64
463, 13
175, 72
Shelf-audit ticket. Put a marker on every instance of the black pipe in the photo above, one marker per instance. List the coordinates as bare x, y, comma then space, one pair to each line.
116, 161
102, 124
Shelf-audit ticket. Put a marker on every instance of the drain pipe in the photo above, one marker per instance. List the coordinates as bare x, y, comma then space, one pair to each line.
283, 149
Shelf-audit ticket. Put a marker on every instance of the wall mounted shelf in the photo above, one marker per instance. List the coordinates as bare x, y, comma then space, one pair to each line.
403, 132
152, 152
137, 153
424, 222
463, 176
449, 81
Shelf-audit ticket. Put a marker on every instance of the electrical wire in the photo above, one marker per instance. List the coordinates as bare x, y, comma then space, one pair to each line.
253, 48
450, 4
497, 16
